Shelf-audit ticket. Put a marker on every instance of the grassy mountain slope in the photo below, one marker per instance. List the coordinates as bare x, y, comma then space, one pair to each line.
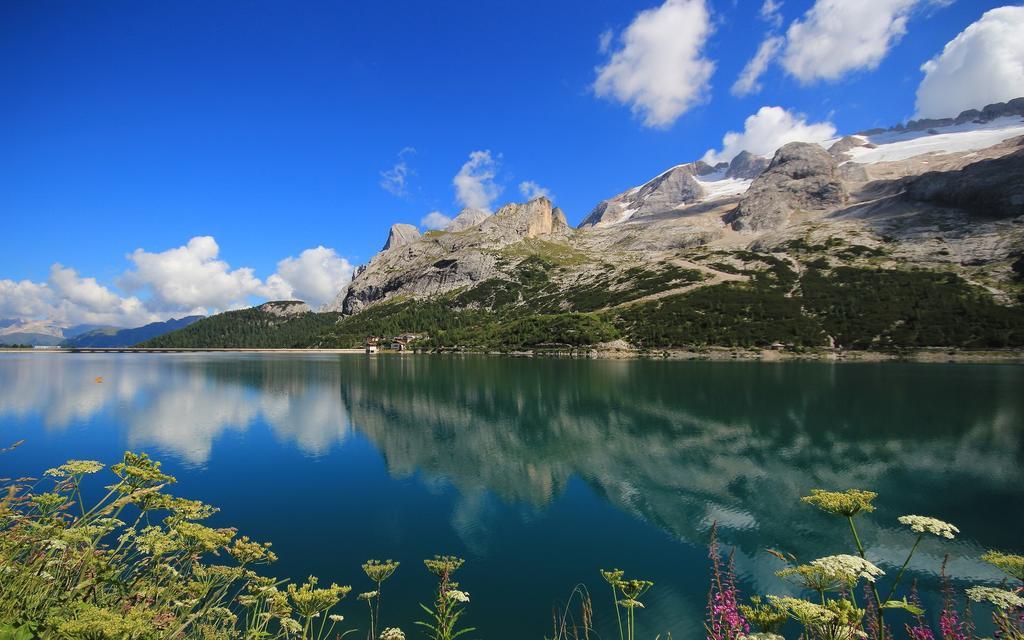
806, 299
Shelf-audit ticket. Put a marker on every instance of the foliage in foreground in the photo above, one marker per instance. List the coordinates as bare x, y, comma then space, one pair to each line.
107, 572
139, 565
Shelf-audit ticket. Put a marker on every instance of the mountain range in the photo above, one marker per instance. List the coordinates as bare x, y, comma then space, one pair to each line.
114, 337
48, 333
905, 237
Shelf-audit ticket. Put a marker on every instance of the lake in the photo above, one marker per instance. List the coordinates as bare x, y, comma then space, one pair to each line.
542, 471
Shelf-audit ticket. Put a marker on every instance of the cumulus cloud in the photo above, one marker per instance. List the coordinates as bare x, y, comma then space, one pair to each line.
395, 180
24, 299
181, 281
982, 65
836, 37
531, 190
750, 78
474, 183
190, 277
83, 300
316, 276
435, 220
659, 67
766, 131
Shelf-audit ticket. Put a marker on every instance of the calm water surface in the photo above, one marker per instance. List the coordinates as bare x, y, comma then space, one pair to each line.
539, 472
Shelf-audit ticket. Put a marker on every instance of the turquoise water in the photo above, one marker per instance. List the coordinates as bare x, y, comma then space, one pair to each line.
540, 472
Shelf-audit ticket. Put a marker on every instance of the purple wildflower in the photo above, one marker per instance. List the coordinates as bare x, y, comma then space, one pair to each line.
724, 619
920, 630
950, 625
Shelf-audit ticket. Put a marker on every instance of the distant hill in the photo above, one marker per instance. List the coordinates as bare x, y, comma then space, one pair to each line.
113, 337
273, 324
33, 339
79, 329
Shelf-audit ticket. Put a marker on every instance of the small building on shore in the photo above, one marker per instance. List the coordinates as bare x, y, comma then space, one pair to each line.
371, 344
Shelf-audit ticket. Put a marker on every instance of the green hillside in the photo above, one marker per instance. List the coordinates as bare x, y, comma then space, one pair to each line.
858, 308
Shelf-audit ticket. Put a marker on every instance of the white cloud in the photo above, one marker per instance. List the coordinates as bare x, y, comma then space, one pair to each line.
315, 277
982, 65
180, 281
395, 180
836, 37
532, 190
435, 220
80, 300
24, 299
474, 183
766, 131
771, 12
660, 69
750, 78
190, 277
604, 41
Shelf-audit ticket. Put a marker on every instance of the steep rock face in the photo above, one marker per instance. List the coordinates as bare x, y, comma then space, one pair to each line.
467, 218
285, 308
433, 265
675, 187
514, 222
993, 188
746, 166
401, 235
800, 176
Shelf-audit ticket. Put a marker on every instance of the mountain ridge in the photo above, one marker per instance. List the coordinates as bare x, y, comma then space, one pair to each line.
918, 222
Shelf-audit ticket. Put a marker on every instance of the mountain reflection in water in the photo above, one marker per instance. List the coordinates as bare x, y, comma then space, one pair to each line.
675, 446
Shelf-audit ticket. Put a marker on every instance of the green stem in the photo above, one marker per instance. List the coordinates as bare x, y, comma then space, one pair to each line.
376, 614
323, 623
874, 589
618, 617
899, 576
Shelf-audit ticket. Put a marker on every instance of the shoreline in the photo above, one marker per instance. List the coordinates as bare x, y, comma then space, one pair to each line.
714, 354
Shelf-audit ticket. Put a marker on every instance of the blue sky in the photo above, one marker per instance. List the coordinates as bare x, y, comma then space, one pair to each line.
267, 125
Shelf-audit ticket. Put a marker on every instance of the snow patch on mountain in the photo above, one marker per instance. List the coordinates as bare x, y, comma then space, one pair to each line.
892, 146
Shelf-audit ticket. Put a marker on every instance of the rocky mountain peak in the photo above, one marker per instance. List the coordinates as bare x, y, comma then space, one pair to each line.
800, 176
468, 217
401, 235
746, 166
673, 188
535, 218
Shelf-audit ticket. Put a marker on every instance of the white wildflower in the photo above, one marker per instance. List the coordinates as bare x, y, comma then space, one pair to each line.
848, 568
392, 634
458, 596
1001, 598
335, 617
924, 524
